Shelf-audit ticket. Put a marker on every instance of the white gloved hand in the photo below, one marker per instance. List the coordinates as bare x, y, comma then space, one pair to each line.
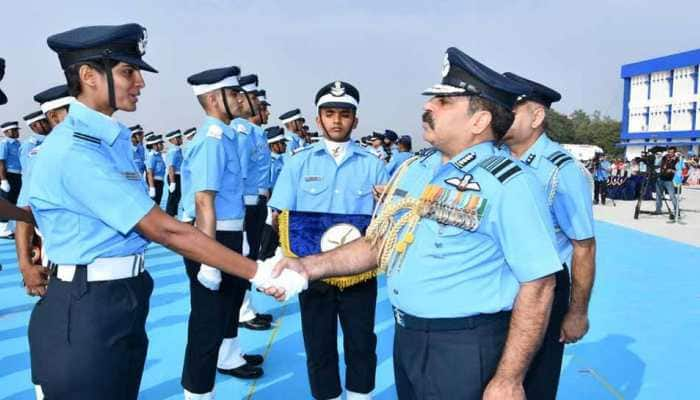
171, 187
5, 185
291, 281
209, 277
151, 192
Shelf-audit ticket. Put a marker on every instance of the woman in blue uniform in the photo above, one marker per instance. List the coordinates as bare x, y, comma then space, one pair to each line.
155, 167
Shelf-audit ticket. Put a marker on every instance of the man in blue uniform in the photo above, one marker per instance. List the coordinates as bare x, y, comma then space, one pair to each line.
292, 121
390, 139
600, 169
567, 188
377, 145
40, 127
54, 103
10, 168
335, 176
138, 148
155, 167
3, 97
467, 242
189, 134
278, 148
173, 161
213, 194
257, 192
87, 336
402, 153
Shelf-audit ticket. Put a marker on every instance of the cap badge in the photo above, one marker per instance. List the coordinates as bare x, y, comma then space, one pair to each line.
338, 90
143, 42
445, 66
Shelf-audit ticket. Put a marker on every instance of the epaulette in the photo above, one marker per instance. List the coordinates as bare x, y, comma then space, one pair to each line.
559, 158
501, 167
427, 152
300, 149
87, 138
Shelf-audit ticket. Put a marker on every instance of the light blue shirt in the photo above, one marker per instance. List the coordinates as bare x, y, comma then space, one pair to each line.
567, 188
264, 158
312, 181
449, 271
85, 192
9, 152
26, 147
397, 158
174, 158
140, 157
247, 153
294, 142
27, 167
155, 164
602, 173
210, 163
276, 167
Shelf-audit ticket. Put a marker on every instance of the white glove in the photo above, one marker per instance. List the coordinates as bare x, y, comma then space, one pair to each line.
291, 281
171, 187
5, 185
209, 277
151, 192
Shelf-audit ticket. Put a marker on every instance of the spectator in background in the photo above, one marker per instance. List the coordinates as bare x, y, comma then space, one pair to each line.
667, 173
600, 169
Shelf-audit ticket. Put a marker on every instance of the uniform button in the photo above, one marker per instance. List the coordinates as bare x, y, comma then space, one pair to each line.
396, 291
337, 190
438, 245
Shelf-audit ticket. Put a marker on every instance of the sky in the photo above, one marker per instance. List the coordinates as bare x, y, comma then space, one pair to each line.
390, 50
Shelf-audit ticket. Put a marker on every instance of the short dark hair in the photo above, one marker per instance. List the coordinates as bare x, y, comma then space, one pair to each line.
501, 118
73, 75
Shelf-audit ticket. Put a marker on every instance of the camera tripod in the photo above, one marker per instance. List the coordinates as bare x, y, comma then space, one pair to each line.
642, 192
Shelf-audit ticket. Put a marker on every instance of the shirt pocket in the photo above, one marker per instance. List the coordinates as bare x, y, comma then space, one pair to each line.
313, 195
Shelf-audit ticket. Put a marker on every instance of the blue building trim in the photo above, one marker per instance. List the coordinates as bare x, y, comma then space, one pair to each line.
669, 62
625, 105
696, 78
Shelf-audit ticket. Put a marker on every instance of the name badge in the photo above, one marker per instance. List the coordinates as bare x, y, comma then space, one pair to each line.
312, 178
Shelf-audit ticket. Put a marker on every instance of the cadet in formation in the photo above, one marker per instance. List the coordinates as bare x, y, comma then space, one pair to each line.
155, 167
173, 163
335, 176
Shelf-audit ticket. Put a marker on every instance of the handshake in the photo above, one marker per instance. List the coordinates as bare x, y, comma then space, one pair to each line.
282, 284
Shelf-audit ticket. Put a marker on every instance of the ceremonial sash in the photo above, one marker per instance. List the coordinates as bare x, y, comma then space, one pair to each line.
306, 233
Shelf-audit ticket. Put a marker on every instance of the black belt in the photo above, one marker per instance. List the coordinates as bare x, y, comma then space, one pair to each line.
411, 322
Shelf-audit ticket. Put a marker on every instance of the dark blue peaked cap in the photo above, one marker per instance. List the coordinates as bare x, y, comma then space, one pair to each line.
338, 94
464, 76
391, 135
537, 92
125, 43
53, 93
212, 76
249, 82
295, 113
274, 134
3, 98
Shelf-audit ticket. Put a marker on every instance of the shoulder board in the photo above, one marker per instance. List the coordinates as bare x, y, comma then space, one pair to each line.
501, 167
559, 158
241, 128
300, 149
87, 138
215, 132
427, 152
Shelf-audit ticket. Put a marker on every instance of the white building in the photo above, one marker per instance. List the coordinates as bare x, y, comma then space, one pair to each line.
661, 104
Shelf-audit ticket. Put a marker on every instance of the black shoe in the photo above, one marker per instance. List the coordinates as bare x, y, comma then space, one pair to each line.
256, 324
253, 359
245, 371
264, 317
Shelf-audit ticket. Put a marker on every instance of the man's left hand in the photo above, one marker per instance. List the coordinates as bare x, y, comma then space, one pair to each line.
574, 327
502, 389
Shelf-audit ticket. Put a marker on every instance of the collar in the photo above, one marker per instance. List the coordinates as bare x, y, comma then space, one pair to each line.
102, 126
537, 151
228, 131
39, 138
470, 157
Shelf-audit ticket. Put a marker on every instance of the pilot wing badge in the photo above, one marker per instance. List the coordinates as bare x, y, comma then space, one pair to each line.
464, 184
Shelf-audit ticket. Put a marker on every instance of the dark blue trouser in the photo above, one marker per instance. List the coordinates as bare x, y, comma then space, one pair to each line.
321, 306
213, 317
448, 364
88, 339
542, 379
254, 223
